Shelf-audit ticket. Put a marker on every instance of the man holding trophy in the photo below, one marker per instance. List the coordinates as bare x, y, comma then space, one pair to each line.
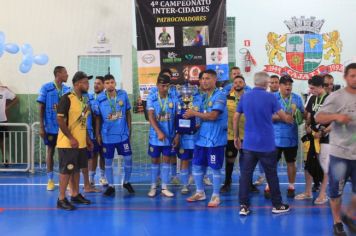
189, 99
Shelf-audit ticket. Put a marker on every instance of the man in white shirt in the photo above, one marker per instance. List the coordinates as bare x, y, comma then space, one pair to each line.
7, 100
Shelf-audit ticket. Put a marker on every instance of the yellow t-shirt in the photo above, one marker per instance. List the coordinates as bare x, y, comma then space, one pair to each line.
75, 112
232, 102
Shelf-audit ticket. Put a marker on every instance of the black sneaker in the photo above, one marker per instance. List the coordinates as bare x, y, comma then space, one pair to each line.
280, 209
267, 194
349, 222
79, 199
339, 229
65, 205
129, 187
291, 193
244, 210
254, 189
225, 188
110, 191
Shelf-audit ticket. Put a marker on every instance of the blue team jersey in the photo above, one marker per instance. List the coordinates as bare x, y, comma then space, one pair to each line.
94, 106
113, 111
165, 121
49, 97
213, 133
286, 135
187, 141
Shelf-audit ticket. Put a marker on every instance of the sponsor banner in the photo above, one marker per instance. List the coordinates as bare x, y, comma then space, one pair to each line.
175, 34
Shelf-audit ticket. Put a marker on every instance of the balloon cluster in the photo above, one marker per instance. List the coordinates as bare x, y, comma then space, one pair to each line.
28, 58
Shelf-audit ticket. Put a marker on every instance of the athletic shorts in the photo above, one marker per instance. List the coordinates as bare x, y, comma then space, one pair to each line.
209, 156
50, 140
72, 160
290, 154
185, 154
341, 170
156, 151
123, 149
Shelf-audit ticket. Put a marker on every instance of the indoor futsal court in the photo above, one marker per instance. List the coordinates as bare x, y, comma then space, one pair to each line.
177, 118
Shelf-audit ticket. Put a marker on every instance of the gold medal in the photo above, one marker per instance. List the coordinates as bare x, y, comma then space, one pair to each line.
170, 105
121, 103
210, 104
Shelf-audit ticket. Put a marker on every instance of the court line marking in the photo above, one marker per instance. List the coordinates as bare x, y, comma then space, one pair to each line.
33, 184
153, 208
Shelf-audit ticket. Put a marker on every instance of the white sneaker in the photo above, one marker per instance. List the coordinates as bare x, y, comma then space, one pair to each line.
103, 181
152, 192
207, 181
167, 193
191, 180
185, 190
197, 197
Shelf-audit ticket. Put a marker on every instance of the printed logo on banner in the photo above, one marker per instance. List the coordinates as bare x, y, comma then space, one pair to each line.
217, 59
304, 48
195, 36
165, 37
176, 75
194, 56
148, 58
222, 71
170, 57
191, 73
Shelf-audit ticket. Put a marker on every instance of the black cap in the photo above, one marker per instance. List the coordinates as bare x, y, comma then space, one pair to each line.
285, 79
316, 80
79, 76
163, 79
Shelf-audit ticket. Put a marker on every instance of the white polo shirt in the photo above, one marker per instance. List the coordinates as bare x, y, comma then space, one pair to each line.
5, 94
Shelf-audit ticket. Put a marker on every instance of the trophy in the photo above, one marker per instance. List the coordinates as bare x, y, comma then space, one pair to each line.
183, 125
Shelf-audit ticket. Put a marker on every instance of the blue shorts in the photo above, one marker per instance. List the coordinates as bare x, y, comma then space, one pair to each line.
185, 154
123, 149
50, 139
341, 170
209, 156
156, 151
96, 149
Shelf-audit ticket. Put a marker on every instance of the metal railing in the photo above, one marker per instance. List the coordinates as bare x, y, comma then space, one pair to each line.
15, 147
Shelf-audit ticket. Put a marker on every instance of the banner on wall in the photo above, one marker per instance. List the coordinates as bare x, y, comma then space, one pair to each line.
186, 36
305, 51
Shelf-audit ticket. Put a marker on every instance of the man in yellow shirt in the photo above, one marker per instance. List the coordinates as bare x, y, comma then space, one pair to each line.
73, 141
233, 98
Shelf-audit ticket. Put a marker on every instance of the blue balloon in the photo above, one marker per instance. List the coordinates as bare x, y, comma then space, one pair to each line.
41, 59
26, 49
2, 37
24, 68
11, 48
27, 59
